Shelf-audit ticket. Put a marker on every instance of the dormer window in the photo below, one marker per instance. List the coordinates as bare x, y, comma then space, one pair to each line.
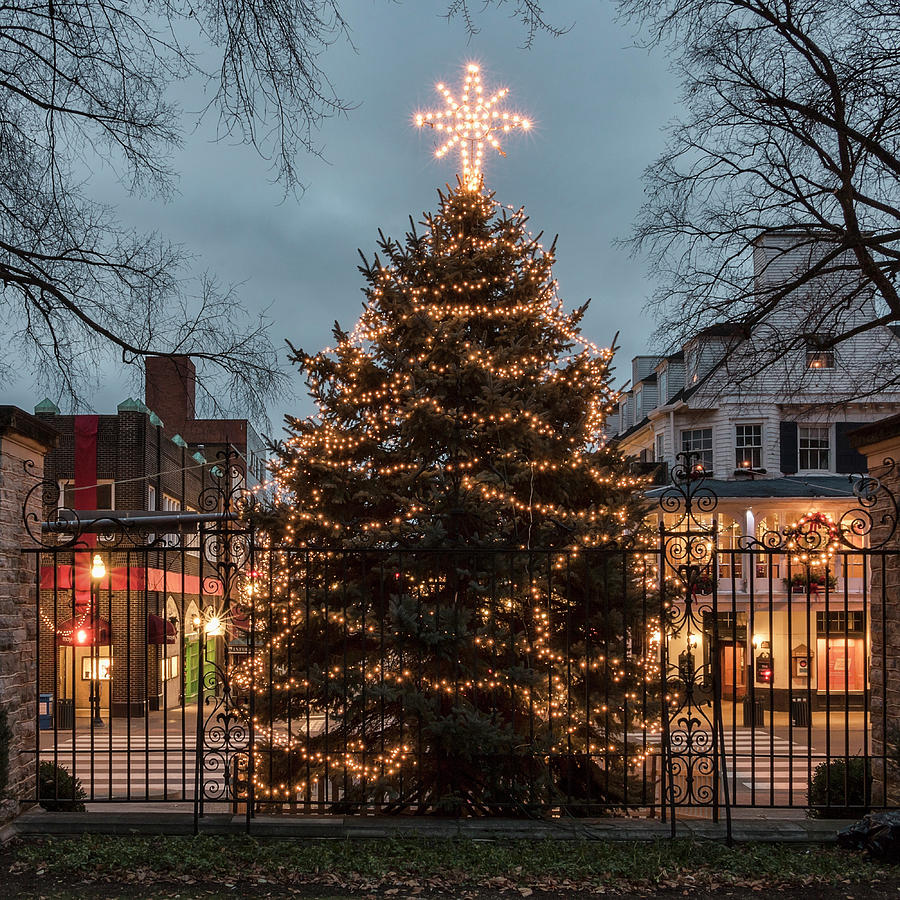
819, 351
664, 386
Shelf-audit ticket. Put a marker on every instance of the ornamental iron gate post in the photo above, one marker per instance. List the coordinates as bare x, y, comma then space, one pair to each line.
225, 706
694, 759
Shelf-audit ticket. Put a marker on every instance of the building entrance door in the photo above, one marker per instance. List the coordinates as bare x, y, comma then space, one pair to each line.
191, 668
76, 665
734, 671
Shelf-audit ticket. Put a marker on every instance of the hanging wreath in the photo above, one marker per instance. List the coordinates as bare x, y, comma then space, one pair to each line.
813, 539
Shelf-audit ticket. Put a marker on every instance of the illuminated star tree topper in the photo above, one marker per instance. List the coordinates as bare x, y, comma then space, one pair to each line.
471, 123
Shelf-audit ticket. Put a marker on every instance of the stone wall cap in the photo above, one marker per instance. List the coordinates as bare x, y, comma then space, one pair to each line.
15, 420
875, 432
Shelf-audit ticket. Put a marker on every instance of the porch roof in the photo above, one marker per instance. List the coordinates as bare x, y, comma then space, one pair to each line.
796, 486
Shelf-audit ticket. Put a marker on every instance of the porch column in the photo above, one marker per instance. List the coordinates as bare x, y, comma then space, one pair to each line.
22, 438
880, 444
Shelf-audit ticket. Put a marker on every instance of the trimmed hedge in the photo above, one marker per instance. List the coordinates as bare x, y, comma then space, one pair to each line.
840, 789
58, 790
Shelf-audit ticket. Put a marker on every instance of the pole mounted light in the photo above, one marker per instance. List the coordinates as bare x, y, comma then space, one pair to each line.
98, 572
98, 569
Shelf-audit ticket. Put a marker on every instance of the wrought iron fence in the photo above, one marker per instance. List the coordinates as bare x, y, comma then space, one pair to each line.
668, 677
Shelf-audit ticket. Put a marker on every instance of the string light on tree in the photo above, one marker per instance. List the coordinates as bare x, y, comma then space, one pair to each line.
470, 124
464, 411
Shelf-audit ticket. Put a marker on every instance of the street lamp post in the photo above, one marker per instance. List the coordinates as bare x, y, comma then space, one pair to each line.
98, 571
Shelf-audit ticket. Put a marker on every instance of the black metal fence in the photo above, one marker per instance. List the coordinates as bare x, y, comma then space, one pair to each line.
670, 677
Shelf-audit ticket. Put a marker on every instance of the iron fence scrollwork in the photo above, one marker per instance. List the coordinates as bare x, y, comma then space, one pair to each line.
694, 759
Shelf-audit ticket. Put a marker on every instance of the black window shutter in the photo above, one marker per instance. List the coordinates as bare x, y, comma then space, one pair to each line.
847, 459
788, 434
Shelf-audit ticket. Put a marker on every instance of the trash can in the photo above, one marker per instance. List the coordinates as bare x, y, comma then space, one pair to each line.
755, 712
45, 712
800, 712
65, 713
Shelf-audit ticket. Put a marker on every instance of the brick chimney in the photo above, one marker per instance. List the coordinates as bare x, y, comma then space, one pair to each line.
170, 386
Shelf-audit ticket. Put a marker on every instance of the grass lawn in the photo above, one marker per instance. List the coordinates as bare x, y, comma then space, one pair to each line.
94, 866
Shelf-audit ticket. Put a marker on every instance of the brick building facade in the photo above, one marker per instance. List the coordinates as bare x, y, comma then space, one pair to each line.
133, 634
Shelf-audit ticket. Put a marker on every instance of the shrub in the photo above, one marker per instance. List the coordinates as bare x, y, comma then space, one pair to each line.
58, 790
840, 789
5, 738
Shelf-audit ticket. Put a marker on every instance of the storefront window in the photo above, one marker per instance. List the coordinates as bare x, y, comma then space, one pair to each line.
841, 664
840, 651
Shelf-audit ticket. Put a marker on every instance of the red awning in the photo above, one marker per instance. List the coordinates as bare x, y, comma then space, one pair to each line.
160, 631
79, 632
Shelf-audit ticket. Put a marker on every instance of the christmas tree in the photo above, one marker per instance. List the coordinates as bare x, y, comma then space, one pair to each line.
454, 632
455, 615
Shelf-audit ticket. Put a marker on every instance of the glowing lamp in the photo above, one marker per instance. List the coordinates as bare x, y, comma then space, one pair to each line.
214, 627
81, 636
98, 570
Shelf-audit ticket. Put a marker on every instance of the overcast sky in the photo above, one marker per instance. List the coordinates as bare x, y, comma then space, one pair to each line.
599, 106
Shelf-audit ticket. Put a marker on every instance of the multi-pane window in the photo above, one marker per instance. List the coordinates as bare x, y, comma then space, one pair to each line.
660, 447
814, 447
839, 621
192, 538
663, 386
819, 352
151, 497
171, 504
72, 498
748, 446
768, 531
698, 442
731, 562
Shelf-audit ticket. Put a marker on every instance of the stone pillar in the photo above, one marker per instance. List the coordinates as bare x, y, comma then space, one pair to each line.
880, 443
23, 438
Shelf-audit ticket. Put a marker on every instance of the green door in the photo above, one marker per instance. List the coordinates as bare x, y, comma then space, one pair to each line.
191, 669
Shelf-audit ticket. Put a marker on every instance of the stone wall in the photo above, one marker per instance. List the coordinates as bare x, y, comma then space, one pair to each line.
23, 438
880, 442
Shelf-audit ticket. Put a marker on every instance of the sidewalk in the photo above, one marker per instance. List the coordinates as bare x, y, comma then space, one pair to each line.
773, 828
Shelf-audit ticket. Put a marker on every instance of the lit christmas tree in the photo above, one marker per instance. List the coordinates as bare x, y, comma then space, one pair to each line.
454, 633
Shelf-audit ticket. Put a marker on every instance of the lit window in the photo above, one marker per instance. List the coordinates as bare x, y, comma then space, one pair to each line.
698, 443
748, 446
819, 352
814, 447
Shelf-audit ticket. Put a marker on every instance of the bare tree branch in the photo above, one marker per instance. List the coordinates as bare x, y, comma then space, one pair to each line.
790, 124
